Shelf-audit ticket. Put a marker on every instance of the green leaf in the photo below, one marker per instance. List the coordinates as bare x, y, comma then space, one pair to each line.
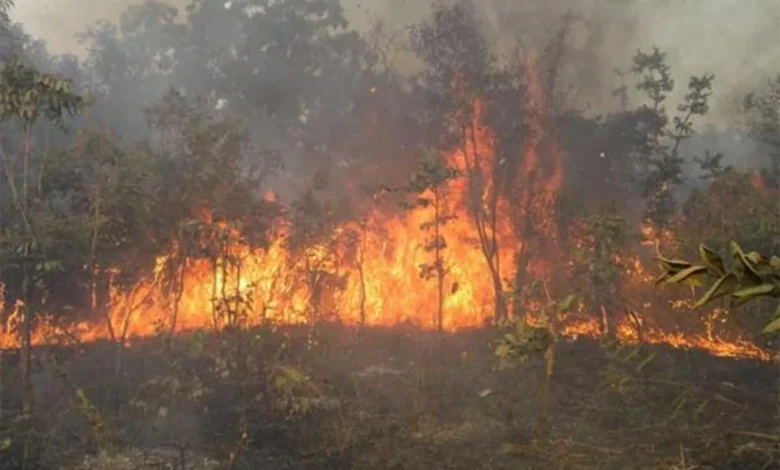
688, 274
748, 269
743, 296
675, 265
712, 260
503, 350
773, 326
723, 286
756, 258
663, 278
754, 292
566, 304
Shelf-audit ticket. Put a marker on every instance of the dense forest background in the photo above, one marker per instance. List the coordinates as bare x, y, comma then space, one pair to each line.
188, 141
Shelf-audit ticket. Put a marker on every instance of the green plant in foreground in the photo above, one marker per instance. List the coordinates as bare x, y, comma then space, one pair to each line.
752, 276
527, 340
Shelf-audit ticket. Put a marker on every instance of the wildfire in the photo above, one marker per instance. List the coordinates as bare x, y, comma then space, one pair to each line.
367, 273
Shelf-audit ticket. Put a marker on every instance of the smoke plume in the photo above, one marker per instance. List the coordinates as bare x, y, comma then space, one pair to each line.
733, 40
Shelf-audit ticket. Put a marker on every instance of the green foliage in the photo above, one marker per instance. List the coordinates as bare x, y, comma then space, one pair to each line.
752, 276
94, 419
625, 366
428, 185
205, 160
293, 391
27, 248
522, 343
27, 94
525, 341
657, 140
603, 237
711, 165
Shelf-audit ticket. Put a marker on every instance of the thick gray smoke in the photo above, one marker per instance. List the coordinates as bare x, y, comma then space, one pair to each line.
734, 40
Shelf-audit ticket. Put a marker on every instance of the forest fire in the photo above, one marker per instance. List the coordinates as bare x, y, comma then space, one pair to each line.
370, 272
391, 293
326, 235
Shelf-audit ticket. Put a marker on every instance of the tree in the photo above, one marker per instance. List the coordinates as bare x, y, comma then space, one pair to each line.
207, 180
288, 67
10, 43
429, 187
29, 253
205, 160
105, 187
129, 65
460, 82
763, 109
602, 240
526, 341
656, 151
315, 244
711, 165
459, 66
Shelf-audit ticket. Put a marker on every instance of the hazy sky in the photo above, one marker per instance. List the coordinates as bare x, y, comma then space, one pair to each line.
735, 39
59, 20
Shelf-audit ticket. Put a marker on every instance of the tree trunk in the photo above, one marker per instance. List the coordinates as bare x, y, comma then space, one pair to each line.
361, 272
25, 366
440, 315
94, 272
2, 388
178, 295
439, 264
605, 323
484, 219
545, 395
608, 320
498, 292
518, 303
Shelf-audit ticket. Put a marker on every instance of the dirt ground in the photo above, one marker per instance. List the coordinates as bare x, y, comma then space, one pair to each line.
404, 399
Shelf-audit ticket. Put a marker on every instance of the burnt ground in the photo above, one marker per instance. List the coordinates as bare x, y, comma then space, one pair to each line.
404, 399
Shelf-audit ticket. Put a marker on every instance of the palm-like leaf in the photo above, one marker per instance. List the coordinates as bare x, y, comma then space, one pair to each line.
712, 260
754, 276
723, 286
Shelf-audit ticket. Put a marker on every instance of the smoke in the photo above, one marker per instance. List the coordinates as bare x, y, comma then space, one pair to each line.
734, 40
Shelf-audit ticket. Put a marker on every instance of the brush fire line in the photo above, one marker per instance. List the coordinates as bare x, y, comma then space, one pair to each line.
378, 281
